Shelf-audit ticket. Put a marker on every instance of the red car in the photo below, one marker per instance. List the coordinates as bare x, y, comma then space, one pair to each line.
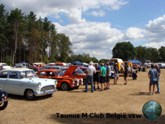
67, 79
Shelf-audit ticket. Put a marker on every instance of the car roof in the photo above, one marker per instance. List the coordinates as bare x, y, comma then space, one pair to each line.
49, 70
17, 69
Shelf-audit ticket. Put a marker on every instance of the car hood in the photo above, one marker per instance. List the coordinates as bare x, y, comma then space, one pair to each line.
70, 70
43, 81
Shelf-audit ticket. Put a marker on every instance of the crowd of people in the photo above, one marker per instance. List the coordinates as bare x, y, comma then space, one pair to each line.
98, 76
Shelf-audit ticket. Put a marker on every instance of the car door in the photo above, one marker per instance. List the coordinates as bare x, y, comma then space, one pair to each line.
13, 83
3, 77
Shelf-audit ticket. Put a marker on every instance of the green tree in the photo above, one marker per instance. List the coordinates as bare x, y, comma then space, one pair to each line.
63, 48
162, 53
123, 50
141, 53
153, 54
15, 19
3, 34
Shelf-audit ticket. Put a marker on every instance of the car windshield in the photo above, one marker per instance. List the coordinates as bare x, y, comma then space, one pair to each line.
61, 73
27, 74
78, 71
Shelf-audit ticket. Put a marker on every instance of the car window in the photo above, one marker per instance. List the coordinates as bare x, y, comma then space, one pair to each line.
61, 73
50, 74
42, 74
3, 74
22, 74
30, 74
78, 71
13, 75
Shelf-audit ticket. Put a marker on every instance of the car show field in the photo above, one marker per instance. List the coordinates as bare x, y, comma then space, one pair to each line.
123, 102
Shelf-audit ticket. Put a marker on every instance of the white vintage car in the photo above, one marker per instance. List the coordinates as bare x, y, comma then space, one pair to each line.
23, 81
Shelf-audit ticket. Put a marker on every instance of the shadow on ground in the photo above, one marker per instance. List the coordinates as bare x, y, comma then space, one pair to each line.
141, 93
16, 97
106, 120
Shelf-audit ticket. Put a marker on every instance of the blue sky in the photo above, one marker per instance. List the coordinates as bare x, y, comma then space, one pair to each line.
95, 26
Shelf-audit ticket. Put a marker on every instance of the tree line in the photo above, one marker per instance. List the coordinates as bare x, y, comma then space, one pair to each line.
26, 38
126, 51
31, 39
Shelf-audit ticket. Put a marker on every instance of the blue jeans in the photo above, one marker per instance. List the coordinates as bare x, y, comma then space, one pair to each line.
89, 79
158, 86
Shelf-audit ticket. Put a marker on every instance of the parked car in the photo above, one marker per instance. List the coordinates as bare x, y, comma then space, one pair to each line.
161, 65
3, 100
37, 66
4, 66
67, 79
148, 63
22, 65
24, 82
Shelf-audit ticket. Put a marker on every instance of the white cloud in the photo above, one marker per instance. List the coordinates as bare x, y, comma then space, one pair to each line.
99, 13
114, 4
154, 44
135, 33
73, 9
156, 29
96, 39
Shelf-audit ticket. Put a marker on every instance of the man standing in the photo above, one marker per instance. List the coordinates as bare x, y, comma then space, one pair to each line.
103, 73
153, 76
158, 83
108, 75
89, 79
116, 76
125, 72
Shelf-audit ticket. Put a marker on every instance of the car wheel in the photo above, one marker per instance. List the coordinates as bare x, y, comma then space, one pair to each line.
29, 94
3, 105
65, 86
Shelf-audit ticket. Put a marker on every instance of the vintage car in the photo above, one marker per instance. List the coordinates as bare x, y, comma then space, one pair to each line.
67, 79
3, 99
24, 82
4, 66
22, 65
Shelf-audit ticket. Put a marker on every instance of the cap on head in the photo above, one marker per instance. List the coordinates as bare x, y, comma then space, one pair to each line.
91, 63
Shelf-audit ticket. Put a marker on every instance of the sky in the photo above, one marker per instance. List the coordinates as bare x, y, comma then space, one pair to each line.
95, 26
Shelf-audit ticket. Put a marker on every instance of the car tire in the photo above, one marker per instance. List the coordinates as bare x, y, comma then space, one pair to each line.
65, 86
3, 105
29, 94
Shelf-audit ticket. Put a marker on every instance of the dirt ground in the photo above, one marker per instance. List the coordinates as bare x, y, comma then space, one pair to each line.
120, 99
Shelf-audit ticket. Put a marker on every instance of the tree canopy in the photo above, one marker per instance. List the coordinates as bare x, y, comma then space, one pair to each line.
26, 38
123, 50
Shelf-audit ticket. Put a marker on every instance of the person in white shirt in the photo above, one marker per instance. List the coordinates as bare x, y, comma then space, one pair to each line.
89, 78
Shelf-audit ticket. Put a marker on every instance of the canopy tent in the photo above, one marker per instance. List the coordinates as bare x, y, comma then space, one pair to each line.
77, 63
135, 62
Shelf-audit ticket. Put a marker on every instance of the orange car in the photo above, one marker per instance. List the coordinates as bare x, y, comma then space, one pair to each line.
67, 79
